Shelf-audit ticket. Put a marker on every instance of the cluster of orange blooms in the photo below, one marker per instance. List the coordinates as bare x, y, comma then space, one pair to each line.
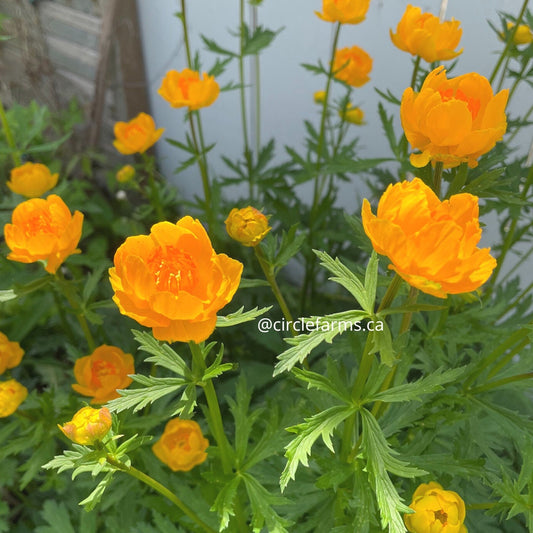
174, 282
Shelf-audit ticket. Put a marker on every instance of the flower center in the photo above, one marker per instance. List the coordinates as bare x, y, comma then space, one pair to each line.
101, 369
39, 223
441, 516
473, 103
184, 85
181, 440
173, 269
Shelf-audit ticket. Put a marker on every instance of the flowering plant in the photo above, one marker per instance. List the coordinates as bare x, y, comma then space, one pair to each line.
256, 360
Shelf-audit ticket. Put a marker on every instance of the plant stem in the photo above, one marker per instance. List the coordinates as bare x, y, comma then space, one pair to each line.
152, 483
415, 73
480, 506
308, 283
257, 71
518, 80
391, 292
15, 156
149, 163
509, 43
186, 34
437, 177
217, 426
271, 278
500, 382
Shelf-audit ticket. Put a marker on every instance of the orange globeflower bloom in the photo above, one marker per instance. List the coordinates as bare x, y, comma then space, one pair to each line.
10, 353
182, 445
352, 65
173, 281
43, 230
187, 89
436, 511
88, 425
103, 372
248, 225
12, 394
424, 35
523, 34
137, 135
453, 121
344, 11
32, 180
431, 244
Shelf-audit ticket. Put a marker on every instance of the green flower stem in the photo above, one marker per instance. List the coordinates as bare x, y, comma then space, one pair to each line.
391, 292
437, 177
509, 43
480, 506
508, 358
501, 382
517, 336
415, 73
308, 283
186, 34
152, 483
217, 427
257, 71
271, 278
155, 199
68, 292
508, 242
15, 156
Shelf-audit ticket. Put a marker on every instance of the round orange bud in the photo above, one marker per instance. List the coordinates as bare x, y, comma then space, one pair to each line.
12, 394
10, 353
187, 89
352, 65
182, 445
43, 230
248, 225
32, 180
137, 135
88, 425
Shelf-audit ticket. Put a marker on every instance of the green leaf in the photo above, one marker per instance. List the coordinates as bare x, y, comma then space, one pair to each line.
57, 517
251, 283
96, 495
224, 503
320, 382
371, 277
289, 246
380, 461
382, 343
187, 402
320, 425
260, 39
212, 46
216, 368
415, 390
239, 317
22, 290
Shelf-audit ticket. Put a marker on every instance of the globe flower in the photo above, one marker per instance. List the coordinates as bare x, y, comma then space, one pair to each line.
43, 230
354, 115
10, 353
182, 445
173, 281
32, 180
431, 244
453, 120
319, 97
137, 135
424, 35
436, 511
344, 11
352, 65
88, 425
103, 372
125, 174
12, 394
187, 89
248, 225
523, 34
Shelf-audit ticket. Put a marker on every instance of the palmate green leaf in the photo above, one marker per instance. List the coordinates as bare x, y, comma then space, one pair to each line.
212, 46
382, 343
415, 390
290, 245
217, 368
224, 503
57, 517
163, 354
320, 382
324, 329
320, 425
261, 501
258, 40
153, 389
94, 498
380, 461
187, 402
239, 317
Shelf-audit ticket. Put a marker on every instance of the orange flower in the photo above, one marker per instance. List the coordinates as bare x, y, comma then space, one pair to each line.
88, 425
352, 65
32, 180
453, 121
186, 89
436, 511
10, 353
173, 281
248, 225
137, 135
12, 394
103, 372
182, 445
43, 230
431, 244
424, 35
344, 11
354, 115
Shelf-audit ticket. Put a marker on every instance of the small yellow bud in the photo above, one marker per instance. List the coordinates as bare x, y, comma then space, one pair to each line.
354, 115
125, 174
319, 97
523, 33
88, 425
248, 225
12, 394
